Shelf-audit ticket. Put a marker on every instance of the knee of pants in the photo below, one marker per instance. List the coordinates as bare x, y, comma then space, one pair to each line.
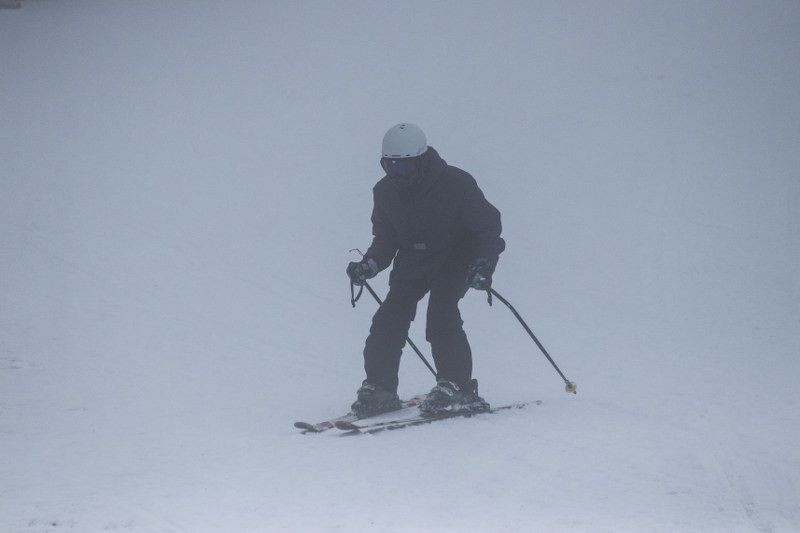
394, 314
441, 325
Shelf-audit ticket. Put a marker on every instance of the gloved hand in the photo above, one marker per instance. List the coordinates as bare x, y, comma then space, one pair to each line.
479, 274
361, 271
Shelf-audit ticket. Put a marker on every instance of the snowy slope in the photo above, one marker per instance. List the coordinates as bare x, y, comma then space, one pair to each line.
180, 184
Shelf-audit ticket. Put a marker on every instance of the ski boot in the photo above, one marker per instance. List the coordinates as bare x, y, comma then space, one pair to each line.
373, 400
447, 396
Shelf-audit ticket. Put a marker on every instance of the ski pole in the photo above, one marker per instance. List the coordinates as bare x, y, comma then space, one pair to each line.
380, 302
570, 385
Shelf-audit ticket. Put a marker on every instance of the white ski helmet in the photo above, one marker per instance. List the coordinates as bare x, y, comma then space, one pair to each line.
404, 140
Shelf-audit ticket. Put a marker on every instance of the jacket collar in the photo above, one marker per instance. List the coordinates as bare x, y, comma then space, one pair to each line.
433, 165
432, 168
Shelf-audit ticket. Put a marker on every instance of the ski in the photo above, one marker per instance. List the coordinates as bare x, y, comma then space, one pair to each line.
325, 425
360, 429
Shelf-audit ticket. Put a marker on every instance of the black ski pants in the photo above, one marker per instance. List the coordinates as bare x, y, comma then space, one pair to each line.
387, 336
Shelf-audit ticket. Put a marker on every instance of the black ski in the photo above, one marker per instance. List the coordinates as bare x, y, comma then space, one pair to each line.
359, 429
325, 425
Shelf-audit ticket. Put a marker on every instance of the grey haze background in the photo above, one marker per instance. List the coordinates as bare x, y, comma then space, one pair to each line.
179, 186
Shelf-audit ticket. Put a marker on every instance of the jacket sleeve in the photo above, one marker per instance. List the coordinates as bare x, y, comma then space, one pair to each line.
482, 223
384, 242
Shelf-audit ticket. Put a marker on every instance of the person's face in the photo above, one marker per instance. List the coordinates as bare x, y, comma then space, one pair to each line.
403, 172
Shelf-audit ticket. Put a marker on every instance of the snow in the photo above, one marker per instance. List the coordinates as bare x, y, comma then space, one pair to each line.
180, 186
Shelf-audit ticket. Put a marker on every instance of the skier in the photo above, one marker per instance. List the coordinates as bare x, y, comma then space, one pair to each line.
444, 236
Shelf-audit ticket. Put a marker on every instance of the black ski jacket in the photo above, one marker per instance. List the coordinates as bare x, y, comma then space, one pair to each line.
440, 224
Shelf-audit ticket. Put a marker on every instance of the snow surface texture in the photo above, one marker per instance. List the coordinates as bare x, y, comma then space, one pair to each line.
180, 183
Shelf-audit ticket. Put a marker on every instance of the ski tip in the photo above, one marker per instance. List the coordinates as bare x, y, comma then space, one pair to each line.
304, 425
346, 425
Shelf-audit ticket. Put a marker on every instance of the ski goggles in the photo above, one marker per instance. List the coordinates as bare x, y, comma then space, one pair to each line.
400, 167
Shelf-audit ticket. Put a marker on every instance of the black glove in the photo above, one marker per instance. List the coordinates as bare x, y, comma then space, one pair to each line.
362, 271
479, 274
